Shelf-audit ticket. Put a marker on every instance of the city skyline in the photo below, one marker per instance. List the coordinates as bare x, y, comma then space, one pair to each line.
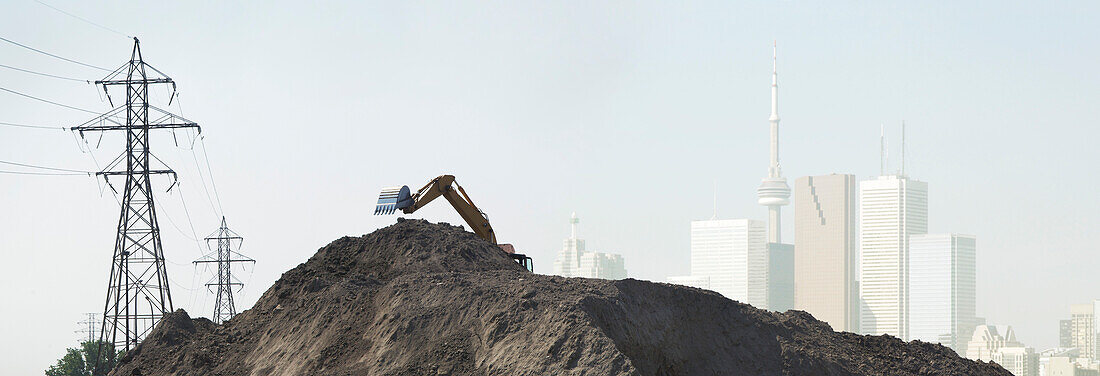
576, 102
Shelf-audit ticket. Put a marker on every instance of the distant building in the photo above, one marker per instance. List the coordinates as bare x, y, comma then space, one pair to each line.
569, 258
732, 255
574, 261
601, 265
892, 208
1021, 361
1065, 333
1066, 362
780, 277
825, 249
942, 289
988, 339
1067, 366
1083, 328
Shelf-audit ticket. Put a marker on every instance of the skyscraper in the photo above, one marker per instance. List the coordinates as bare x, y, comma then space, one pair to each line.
891, 209
574, 261
942, 289
1084, 328
731, 255
774, 192
825, 249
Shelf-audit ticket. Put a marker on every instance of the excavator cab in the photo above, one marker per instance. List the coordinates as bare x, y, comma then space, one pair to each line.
401, 198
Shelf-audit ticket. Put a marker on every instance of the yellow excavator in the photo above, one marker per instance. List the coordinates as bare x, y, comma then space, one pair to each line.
401, 198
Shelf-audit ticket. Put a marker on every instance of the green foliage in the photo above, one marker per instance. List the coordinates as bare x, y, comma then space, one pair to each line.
80, 361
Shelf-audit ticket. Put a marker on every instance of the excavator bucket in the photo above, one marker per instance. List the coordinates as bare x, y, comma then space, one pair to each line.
392, 199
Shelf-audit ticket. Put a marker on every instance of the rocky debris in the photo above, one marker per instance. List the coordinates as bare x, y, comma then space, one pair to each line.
417, 298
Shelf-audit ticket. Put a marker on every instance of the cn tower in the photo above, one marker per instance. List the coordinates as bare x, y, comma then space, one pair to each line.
774, 192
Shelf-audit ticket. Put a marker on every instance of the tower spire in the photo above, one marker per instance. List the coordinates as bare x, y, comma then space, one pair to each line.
773, 170
774, 191
715, 215
903, 148
881, 150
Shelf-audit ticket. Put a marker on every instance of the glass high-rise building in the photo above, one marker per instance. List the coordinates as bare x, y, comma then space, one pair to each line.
942, 289
891, 209
825, 250
732, 255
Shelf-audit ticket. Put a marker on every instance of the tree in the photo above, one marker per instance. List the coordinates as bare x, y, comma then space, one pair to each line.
80, 361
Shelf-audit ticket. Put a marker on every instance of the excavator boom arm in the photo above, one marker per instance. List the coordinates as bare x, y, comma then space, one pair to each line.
394, 198
445, 186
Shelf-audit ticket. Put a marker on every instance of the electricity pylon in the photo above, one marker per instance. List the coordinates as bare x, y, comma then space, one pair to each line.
137, 291
224, 256
89, 328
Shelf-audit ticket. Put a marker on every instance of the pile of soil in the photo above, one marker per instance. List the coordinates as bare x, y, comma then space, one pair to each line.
417, 298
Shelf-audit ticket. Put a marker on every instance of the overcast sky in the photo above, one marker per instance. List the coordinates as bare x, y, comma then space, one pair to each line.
625, 112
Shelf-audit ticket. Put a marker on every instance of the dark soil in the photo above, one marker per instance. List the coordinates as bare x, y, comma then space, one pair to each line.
417, 298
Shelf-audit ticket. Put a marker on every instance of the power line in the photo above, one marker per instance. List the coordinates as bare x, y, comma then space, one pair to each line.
85, 20
45, 74
45, 168
33, 126
44, 173
54, 56
46, 100
210, 173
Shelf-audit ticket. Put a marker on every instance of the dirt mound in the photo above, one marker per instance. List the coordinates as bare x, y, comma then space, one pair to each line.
418, 298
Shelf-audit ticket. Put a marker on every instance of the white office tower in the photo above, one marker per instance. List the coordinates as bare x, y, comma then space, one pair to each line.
825, 252
891, 209
774, 192
731, 254
574, 261
942, 289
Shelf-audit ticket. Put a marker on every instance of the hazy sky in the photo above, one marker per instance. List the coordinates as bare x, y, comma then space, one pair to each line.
625, 112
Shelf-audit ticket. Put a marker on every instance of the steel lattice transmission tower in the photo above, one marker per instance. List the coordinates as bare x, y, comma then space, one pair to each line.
224, 256
90, 327
137, 291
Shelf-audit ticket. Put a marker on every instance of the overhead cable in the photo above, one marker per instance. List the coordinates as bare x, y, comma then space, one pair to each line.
32, 126
45, 74
54, 56
44, 173
85, 20
44, 167
47, 101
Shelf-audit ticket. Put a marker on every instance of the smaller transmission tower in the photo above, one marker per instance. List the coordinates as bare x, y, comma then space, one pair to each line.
89, 328
224, 256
